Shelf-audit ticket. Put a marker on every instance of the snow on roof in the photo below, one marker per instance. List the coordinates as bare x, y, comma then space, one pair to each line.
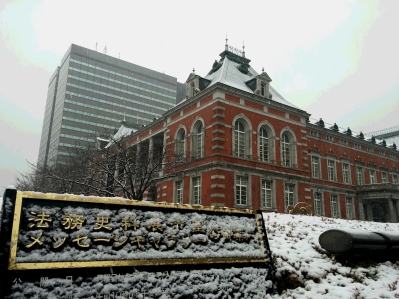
299, 258
122, 132
394, 139
229, 74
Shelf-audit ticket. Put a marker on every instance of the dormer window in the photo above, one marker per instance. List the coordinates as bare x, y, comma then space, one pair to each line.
260, 85
262, 89
192, 85
195, 84
192, 92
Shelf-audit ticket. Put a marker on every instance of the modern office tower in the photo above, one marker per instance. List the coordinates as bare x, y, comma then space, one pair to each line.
89, 95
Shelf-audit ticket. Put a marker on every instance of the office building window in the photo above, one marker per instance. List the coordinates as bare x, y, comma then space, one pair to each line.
267, 195
317, 204
241, 190
196, 191
372, 176
289, 195
179, 192
315, 167
331, 170
346, 173
349, 208
334, 205
359, 175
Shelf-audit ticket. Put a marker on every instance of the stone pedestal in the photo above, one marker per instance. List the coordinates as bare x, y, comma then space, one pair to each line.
369, 212
361, 211
391, 212
397, 209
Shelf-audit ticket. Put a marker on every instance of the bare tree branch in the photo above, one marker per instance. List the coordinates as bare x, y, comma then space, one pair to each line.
116, 170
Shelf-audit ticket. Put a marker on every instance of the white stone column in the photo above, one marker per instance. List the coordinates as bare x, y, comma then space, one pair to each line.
150, 153
361, 210
138, 154
116, 172
391, 212
369, 212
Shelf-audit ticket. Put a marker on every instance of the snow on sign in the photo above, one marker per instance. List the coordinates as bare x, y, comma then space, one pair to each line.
100, 247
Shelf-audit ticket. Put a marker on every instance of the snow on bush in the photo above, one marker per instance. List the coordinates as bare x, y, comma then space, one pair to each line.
305, 270
226, 283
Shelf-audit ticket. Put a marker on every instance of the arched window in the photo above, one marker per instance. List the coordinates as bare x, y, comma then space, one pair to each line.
286, 150
180, 152
197, 146
263, 145
239, 139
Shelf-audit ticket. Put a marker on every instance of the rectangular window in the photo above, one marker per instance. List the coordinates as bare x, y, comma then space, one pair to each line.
241, 190
329, 137
357, 146
349, 208
344, 142
317, 204
197, 190
289, 195
345, 173
315, 167
359, 175
334, 205
382, 153
267, 201
331, 170
384, 177
313, 133
179, 191
394, 178
369, 149
393, 156
372, 176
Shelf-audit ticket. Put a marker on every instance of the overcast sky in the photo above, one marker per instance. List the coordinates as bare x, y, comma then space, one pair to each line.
338, 60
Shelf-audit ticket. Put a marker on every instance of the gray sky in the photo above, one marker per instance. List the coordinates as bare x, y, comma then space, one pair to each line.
338, 60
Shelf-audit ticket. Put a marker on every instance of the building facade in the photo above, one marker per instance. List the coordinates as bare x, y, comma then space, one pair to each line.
236, 142
90, 93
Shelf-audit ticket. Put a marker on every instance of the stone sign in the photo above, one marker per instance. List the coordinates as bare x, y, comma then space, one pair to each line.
91, 247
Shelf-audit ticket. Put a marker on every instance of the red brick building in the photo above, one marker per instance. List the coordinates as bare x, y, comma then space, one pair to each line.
236, 142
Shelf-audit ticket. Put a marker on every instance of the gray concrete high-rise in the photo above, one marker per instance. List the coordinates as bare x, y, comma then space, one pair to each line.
90, 93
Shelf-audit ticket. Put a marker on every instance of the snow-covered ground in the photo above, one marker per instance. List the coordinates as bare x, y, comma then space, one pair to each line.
305, 270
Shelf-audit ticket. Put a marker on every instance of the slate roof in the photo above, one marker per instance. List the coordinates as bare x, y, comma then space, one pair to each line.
229, 74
